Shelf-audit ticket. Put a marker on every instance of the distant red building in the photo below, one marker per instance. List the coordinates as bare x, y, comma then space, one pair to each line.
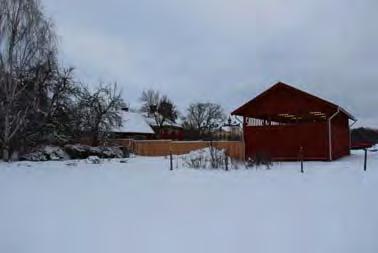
284, 120
133, 126
168, 131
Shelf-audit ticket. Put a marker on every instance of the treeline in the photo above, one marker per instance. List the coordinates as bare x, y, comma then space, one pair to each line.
41, 102
364, 135
199, 120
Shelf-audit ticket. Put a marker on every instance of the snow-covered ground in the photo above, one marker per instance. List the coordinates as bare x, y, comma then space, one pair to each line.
141, 206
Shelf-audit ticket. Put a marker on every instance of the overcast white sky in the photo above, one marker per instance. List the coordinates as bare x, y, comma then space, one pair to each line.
225, 51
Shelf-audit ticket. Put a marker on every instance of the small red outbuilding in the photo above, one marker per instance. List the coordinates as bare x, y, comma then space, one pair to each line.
284, 120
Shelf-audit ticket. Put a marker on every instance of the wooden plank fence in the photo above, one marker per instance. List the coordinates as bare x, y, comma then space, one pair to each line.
235, 149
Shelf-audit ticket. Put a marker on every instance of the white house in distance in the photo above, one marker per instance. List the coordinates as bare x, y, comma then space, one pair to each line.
230, 130
134, 126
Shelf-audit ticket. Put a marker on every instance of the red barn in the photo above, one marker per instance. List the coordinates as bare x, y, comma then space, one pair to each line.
284, 120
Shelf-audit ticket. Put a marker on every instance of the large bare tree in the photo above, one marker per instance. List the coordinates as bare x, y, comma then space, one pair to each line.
150, 99
27, 53
99, 111
158, 106
204, 117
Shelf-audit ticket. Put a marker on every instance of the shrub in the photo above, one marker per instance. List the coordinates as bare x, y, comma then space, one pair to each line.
205, 158
260, 158
195, 159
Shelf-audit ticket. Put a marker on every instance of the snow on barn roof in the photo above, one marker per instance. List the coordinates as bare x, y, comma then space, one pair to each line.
133, 122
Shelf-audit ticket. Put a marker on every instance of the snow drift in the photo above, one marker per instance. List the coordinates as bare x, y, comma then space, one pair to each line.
142, 206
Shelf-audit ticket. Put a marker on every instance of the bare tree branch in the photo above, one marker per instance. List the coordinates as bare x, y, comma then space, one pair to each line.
204, 116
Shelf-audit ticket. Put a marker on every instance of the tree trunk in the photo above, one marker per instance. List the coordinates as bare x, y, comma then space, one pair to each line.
6, 154
95, 137
95, 141
6, 138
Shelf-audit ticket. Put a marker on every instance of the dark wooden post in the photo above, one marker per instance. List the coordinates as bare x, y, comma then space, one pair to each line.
171, 161
226, 161
365, 160
301, 157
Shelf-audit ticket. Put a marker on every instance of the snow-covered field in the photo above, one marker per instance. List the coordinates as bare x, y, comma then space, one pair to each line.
141, 206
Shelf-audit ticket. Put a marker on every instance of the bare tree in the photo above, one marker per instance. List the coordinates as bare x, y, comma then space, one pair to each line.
98, 111
204, 117
161, 108
27, 51
150, 99
166, 110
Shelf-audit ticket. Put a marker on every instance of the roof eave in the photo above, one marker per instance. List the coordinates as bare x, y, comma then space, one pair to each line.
349, 115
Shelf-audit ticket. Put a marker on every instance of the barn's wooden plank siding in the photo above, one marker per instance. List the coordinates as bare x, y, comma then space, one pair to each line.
282, 142
290, 119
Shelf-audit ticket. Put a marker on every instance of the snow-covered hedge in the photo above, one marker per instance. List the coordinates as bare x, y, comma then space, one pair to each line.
46, 153
205, 158
79, 151
374, 148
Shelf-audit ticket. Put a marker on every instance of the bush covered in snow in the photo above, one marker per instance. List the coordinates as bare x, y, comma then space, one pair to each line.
93, 160
46, 153
79, 151
205, 158
374, 148
195, 159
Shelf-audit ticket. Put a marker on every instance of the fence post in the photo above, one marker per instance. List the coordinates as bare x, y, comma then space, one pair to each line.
365, 160
301, 157
171, 161
226, 161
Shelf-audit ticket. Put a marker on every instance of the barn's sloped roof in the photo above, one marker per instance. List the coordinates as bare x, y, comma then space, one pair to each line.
282, 98
133, 122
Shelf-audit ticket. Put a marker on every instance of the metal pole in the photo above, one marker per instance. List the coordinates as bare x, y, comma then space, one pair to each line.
171, 160
301, 155
365, 160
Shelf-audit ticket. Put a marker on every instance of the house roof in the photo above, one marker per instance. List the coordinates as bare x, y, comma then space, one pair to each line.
167, 123
229, 128
133, 122
283, 99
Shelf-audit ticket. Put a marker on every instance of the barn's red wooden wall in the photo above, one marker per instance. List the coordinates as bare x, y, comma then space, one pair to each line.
284, 141
340, 136
308, 117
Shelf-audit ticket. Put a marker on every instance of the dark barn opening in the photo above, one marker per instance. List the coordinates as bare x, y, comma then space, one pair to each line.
284, 120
